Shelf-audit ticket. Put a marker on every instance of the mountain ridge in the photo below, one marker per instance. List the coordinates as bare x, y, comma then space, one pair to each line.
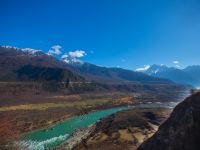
12, 59
13, 62
96, 73
189, 75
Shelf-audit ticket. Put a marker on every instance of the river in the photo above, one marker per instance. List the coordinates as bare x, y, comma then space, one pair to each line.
58, 133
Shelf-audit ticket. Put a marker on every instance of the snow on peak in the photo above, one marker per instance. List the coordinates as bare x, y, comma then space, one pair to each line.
31, 51
7, 46
73, 57
25, 51
143, 69
71, 60
153, 69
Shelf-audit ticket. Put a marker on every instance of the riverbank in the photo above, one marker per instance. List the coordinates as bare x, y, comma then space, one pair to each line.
77, 137
58, 133
73, 139
125, 130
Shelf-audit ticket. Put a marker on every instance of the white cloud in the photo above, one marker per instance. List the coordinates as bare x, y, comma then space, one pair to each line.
146, 67
65, 56
176, 62
55, 50
72, 57
77, 54
75, 60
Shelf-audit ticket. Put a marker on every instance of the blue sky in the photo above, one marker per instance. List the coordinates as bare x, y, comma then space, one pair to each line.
125, 33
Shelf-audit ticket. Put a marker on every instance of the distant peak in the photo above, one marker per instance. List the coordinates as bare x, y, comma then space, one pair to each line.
22, 51
9, 47
31, 51
152, 69
72, 61
74, 57
143, 69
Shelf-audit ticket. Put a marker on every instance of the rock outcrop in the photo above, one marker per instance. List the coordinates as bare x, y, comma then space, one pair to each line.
181, 131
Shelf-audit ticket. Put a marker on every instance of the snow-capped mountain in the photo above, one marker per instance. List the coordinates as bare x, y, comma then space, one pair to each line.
10, 50
155, 69
71, 60
25, 62
154, 74
32, 65
32, 52
188, 75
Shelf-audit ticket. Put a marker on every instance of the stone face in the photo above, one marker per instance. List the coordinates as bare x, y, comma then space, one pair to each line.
181, 131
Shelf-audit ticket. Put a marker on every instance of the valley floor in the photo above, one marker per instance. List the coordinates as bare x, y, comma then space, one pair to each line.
23, 114
127, 129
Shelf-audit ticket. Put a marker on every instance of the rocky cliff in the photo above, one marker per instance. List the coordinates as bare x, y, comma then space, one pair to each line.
181, 131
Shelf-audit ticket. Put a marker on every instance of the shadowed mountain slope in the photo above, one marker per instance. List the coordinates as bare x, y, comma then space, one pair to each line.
35, 73
98, 73
181, 131
18, 64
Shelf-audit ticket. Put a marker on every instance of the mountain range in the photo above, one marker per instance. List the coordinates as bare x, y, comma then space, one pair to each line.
32, 65
188, 75
28, 64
